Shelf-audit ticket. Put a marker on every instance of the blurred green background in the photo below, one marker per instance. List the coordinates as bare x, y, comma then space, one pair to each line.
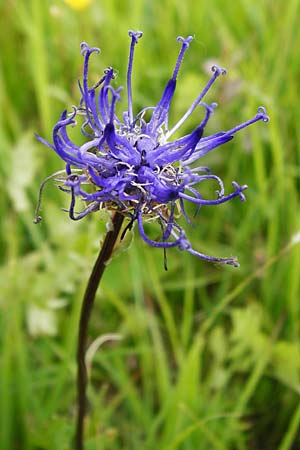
210, 355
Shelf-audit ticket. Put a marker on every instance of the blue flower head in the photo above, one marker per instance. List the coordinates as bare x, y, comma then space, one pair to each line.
130, 164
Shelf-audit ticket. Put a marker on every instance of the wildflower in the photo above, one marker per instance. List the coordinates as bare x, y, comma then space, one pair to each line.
130, 165
78, 4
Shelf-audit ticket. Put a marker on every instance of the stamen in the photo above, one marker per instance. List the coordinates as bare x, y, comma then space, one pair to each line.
185, 46
169, 222
164, 249
128, 227
86, 51
115, 97
99, 82
226, 198
183, 212
37, 217
165, 260
217, 71
90, 208
161, 112
102, 98
209, 112
230, 261
211, 142
261, 115
150, 241
134, 40
199, 178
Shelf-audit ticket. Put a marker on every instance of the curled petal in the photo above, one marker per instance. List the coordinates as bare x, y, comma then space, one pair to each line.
185, 41
218, 70
136, 35
262, 114
86, 50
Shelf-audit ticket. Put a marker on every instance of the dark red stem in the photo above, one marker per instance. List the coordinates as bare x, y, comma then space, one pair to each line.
86, 309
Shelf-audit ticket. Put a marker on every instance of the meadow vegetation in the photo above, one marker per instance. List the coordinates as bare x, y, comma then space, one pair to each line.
209, 356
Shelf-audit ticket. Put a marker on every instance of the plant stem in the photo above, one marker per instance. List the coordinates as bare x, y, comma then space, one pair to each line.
87, 305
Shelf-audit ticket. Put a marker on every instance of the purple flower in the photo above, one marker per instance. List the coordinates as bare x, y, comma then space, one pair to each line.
130, 164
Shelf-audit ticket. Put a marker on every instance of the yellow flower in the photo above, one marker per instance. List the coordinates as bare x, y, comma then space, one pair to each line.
78, 4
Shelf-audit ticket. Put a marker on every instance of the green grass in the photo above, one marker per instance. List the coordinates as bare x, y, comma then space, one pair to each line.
209, 357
